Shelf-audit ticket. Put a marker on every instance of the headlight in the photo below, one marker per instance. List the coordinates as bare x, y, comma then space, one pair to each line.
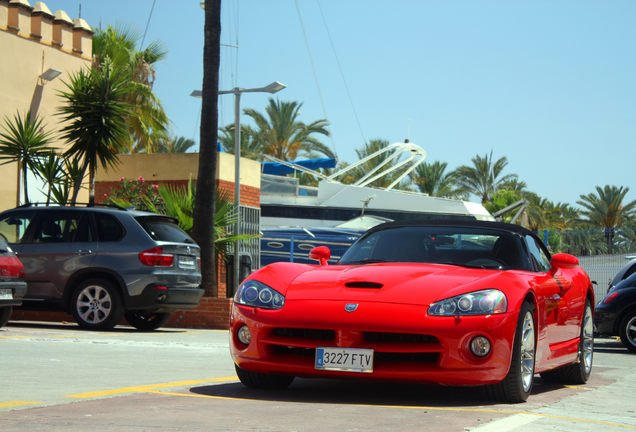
257, 294
484, 302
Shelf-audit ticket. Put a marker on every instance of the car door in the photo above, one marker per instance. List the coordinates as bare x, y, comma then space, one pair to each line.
561, 311
60, 244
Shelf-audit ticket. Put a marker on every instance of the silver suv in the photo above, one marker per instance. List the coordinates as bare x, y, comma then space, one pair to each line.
102, 263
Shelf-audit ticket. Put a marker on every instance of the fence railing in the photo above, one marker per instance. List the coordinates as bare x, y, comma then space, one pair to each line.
590, 242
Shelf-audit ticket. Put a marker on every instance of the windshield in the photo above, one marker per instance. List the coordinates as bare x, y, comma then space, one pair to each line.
454, 245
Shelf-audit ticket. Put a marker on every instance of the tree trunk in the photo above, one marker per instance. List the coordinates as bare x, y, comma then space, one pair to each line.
204, 208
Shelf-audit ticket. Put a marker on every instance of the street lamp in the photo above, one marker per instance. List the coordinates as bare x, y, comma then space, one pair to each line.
237, 91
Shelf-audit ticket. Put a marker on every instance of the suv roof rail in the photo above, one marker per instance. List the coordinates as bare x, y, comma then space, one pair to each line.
39, 204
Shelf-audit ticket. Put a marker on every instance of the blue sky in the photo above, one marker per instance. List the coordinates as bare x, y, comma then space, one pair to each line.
551, 85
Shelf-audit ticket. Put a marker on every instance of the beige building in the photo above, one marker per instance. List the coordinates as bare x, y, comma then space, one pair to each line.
33, 42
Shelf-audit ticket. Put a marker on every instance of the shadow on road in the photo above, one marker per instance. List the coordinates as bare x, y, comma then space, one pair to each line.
71, 326
366, 393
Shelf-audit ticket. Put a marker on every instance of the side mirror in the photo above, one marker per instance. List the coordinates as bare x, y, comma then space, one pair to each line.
320, 253
563, 261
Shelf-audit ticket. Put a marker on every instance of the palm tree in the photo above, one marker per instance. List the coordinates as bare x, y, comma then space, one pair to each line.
432, 179
202, 229
606, 209
250, 148
50, 168
483, 178
148, 126
175, 145
61, 191
283, 136
23, 142
95, 116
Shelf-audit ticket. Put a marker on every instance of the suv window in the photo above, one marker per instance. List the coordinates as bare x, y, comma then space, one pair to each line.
62, 227
538, 256
108, 228
14, 225
164, 229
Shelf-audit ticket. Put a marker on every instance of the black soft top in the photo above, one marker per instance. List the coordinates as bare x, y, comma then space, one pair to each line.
502, 226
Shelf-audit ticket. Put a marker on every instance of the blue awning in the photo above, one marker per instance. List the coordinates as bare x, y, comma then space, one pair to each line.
277, 168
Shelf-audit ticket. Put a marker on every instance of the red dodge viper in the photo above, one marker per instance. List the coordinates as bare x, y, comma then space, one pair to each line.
462, 303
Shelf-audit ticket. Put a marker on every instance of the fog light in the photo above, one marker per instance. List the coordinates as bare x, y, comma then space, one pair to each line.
244, 335
480, 346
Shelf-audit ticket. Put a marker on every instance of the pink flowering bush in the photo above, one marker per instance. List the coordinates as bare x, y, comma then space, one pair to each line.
134, 192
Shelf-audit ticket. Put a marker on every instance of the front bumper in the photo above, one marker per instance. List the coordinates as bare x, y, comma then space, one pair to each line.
408, 344
18, 291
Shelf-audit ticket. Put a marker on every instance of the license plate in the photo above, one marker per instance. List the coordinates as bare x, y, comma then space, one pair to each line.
186, 262
5, 294
344, 359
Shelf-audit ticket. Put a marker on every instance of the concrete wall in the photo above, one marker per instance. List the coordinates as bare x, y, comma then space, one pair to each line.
32, 40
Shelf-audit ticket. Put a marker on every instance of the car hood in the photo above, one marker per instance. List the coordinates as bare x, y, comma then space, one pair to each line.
420, 284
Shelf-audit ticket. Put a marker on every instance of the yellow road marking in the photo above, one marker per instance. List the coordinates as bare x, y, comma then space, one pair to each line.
15, 337
146, 388
13, 404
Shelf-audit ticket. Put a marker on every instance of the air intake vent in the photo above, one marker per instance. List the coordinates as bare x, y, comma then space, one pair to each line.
363, 285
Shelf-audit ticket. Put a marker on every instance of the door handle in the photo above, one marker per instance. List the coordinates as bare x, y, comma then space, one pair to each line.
83, 252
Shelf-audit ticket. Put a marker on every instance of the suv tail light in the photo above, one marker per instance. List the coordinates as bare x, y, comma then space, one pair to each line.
156, 258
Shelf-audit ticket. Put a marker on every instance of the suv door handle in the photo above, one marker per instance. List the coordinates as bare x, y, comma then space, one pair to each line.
83, 252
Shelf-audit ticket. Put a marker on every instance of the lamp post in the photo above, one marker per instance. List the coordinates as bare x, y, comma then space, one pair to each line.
237, 91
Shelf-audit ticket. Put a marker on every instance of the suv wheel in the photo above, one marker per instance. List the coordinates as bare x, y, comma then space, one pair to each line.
147, 321
97, 305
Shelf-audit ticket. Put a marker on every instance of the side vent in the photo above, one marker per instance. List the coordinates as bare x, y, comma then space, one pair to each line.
364, 285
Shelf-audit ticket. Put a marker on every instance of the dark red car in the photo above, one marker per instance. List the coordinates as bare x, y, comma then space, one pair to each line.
463, 303
12, 285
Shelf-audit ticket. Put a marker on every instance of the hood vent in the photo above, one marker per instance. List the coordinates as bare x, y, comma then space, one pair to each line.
364, 285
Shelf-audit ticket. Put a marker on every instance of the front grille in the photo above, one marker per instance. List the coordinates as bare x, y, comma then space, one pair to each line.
294, 350
319, 334
405, 357
399, 337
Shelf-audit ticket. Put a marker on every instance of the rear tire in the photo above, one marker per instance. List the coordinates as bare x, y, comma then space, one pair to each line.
147, 321
517, 385
5, 314
578, 372
263, 381
628, 331
97, 305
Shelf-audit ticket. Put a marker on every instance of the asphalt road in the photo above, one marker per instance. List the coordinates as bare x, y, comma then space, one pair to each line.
58, 377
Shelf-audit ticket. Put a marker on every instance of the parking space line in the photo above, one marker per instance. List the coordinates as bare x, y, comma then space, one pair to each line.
14, 404
146, 388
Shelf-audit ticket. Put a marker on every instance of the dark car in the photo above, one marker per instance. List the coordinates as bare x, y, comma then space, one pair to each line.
616, 314
626, 271
12, 285
104, 263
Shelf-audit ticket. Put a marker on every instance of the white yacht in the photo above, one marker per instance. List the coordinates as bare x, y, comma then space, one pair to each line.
286, 203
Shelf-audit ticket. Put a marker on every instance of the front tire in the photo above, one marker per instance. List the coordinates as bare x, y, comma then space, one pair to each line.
5, 314
147, 321
263, 381
517, 385
97, 305
578, 372
628, 331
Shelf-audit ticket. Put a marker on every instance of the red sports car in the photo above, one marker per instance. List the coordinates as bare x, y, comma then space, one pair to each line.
465, 303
